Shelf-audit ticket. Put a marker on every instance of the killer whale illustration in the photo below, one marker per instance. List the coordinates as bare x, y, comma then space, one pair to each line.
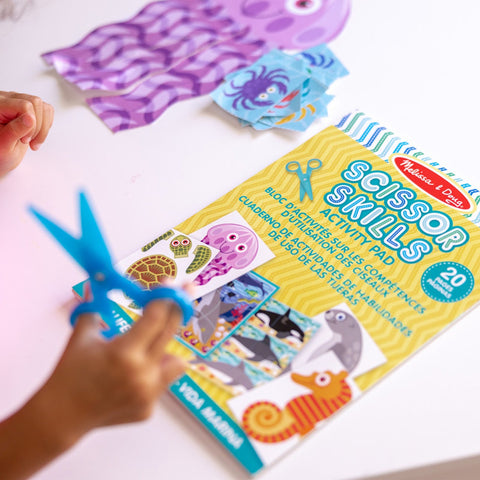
282, 323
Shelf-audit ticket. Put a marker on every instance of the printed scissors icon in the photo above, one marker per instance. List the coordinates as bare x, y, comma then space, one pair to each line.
90, 252
305, 185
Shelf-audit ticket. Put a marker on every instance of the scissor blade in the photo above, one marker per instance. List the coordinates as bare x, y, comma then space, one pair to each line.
302, 191
305, 186
91, 234
308, 189
69, 243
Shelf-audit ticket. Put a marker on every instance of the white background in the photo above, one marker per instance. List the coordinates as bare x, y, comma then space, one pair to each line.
413, 67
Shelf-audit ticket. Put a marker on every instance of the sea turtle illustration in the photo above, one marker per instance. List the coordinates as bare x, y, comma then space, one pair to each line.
203, 254
164, 236
149, 272
180, 246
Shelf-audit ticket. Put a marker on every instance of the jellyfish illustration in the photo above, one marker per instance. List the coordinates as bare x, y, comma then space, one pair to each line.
173, 50
238, 247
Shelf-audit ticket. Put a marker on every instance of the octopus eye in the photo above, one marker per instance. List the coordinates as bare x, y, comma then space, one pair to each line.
303, 7
232, 237
185, 242
241, 248
263, 96
271, 89
323, 379
340, 317
175, 243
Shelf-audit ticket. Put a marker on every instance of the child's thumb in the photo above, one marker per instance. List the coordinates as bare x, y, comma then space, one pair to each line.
87, 325
17, 128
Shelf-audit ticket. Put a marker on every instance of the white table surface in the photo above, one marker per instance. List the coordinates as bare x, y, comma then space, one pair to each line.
413, 66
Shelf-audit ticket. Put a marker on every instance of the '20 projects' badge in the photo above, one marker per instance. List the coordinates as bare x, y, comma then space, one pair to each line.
447, 282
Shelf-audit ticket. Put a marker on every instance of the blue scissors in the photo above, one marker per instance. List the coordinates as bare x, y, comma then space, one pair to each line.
305, 185
91, 253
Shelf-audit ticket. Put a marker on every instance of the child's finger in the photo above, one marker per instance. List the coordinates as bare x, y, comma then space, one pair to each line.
159, 343
11, 107
172, 368
153, 322
47, 121
87, 325
189, 288
16, 129
37, 105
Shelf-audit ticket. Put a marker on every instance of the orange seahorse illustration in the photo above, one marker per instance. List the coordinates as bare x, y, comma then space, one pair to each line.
267, 423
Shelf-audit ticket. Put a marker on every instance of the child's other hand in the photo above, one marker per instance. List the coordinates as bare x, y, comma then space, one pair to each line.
99, 382
24, 121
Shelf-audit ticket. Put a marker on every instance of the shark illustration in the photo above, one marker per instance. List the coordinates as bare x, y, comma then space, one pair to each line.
206, 314
236, 373
260, 349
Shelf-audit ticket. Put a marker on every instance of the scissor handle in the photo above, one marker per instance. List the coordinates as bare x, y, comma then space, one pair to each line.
292, 166
142, 298
85, 307
314, 164
92, 307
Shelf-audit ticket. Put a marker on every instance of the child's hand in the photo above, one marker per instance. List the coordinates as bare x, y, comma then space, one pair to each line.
99, 382
24, 120
95, 383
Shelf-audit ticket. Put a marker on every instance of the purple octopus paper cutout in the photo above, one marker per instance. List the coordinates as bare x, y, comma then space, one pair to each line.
238, 247
117, 56
290, 24
178, 49
196, 76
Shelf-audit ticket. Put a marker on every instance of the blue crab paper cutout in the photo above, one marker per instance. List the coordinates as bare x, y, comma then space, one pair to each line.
281, 90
